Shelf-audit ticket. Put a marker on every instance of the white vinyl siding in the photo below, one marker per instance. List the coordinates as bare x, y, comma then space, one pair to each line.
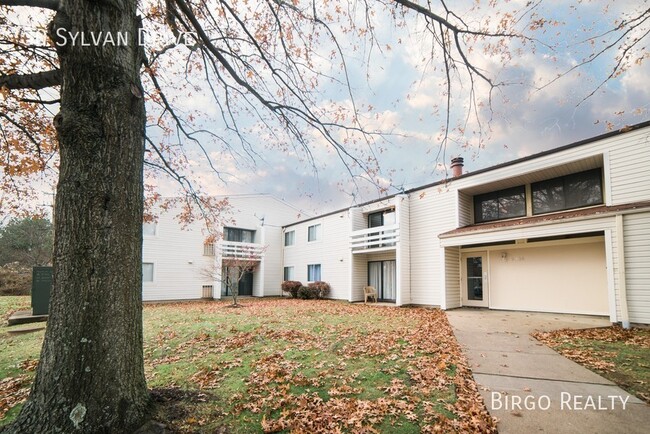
178, 252
333, 253
637, 266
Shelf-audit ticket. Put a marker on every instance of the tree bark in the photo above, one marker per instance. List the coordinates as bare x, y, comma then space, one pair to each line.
90, 377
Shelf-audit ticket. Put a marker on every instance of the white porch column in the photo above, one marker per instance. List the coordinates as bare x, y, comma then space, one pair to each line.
402, 250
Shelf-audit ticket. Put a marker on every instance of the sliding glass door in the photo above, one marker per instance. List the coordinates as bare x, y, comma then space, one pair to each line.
383, 276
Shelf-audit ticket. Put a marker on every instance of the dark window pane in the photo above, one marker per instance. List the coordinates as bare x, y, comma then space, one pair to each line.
583, 189
548, 196
512, 205
500, 204
567, 192
239, 235
376, 219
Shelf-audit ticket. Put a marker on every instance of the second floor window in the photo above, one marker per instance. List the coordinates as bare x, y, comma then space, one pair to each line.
568, 192
502, 204
239, 235
289, 238
313, 233
381, 218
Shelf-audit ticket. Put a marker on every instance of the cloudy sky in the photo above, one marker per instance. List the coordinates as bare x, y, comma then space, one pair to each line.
405, 94
404, 87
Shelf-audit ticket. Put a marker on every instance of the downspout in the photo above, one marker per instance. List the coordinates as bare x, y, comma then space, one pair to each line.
622, 287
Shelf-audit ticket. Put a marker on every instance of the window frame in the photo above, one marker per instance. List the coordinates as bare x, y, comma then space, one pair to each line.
497, 196
319, 232
291, 275
227, 230
315, 267
293, 238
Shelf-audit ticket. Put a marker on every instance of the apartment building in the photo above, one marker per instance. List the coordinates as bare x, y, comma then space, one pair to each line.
179, 265
566, 230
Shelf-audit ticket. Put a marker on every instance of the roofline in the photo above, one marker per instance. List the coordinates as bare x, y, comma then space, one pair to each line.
625, 129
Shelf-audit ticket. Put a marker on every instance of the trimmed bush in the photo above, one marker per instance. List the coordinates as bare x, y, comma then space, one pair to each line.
306, 293
292, 287
319, 289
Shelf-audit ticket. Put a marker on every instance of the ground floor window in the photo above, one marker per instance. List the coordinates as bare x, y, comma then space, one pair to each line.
313, 272
288, 273
383, 276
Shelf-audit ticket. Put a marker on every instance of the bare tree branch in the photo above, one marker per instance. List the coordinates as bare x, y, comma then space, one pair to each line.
35, 81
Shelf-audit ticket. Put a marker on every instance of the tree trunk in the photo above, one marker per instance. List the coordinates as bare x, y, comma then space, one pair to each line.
90, 377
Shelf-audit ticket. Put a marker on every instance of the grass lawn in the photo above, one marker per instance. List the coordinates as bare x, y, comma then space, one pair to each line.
622, 356
280, 365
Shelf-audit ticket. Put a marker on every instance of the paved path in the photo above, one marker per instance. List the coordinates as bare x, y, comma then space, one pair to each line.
531, 388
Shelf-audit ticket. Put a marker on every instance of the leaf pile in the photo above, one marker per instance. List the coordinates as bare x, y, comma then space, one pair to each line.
618, 354
319, 367
13, 391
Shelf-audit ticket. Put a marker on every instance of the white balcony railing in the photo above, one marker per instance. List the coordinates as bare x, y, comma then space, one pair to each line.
384, 237
241, 251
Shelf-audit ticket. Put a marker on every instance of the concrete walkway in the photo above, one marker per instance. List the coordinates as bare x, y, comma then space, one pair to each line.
531, 388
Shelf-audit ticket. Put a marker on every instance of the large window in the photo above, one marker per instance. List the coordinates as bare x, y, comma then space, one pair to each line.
239, 235
147, 271
289, 238
567, 192
313, 233
313, 272
502, 204
288, 273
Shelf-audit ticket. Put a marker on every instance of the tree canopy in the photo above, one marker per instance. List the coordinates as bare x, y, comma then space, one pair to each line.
26, 241
112, 98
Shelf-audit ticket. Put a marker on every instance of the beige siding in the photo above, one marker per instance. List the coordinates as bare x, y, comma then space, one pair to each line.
359, 276
332, 251
637, 266
465, 209
452, 277
432, 212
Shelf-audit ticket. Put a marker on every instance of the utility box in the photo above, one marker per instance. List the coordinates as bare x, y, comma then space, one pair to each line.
41, 289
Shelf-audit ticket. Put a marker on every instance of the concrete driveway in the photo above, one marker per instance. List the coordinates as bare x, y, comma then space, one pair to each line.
531, 388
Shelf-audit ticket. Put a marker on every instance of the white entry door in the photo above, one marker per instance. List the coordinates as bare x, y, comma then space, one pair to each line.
474, 282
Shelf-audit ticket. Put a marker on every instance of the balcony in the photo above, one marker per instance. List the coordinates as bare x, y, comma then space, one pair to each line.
240, 251
374, 239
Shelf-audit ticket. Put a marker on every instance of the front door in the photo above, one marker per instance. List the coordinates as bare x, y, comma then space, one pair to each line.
474, 285
383, 276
